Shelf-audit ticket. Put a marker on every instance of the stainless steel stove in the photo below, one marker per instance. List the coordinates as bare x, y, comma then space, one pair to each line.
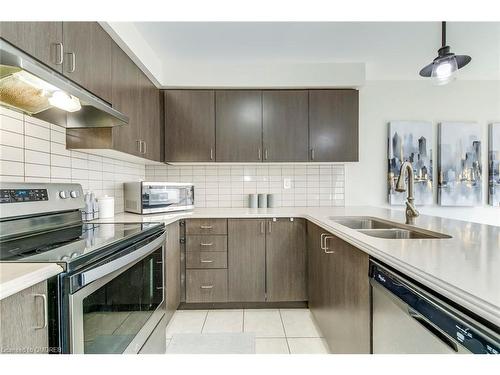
113, 272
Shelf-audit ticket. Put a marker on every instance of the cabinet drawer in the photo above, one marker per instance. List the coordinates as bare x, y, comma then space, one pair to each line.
206, 285
204, 259
206, 226
206, 243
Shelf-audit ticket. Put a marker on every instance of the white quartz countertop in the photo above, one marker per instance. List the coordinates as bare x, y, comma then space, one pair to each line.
15, 277
464, 268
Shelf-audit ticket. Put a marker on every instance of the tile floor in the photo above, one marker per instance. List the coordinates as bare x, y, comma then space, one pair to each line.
277, 331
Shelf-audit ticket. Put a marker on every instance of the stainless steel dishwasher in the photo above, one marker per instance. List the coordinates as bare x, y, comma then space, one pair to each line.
408, 319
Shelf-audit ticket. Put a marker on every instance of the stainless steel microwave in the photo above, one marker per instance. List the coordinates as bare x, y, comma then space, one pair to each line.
152, 197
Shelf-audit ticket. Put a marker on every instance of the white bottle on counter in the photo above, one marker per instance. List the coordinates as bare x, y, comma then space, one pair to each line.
87, 214
95, 206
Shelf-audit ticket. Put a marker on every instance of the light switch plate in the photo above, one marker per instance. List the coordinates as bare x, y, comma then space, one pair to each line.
287, 183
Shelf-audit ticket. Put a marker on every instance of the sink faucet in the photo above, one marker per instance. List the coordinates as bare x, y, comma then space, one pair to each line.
411, 211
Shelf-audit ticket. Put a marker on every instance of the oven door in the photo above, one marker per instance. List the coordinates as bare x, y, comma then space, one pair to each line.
121, 303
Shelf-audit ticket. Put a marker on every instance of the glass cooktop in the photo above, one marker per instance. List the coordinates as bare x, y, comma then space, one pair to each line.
75, 244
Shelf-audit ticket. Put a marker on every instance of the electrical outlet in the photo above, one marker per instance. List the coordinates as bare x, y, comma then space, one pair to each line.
287, 183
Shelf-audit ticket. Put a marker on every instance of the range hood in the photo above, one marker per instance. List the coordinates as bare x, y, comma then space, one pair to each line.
28, 86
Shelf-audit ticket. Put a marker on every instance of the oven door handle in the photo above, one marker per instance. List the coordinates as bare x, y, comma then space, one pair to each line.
107, 268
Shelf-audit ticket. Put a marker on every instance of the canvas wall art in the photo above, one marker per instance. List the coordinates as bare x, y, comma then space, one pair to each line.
410, 141
459, 164
494, 165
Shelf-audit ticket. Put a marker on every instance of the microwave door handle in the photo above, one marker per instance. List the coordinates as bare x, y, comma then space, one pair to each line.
109, 267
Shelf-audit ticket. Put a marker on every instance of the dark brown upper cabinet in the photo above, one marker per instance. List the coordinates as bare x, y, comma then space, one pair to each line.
238, 116
88, 57
285, 125
189, 125
42, 40
333, 125
125, 94
149, 114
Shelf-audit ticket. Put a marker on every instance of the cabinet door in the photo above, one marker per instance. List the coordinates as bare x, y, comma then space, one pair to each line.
125, 94
239, 125
23, 322
42, 40
349, 306
286, 260
88, 57
333, 125
173, 269
189, 125
285, 125
149, 115
246, 260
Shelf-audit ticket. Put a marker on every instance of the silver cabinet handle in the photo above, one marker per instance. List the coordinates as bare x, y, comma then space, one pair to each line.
206, 226
145, 146
260, 154
312, 153
265, 154
206, 261
326, 249
73, 62
45, 310
206, 244
269, 224
139, 146
262, 230
323, 235
206, 286
59, 53
211, 154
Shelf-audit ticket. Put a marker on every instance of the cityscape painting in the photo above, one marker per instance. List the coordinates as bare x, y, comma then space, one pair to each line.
459, 164
410, 141
494, 165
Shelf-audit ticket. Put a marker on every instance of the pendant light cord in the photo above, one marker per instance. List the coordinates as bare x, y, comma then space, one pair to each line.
443, 34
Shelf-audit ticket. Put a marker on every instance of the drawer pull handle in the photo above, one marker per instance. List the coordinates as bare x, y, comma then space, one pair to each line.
206, 244
206, 261
206, 226
45, 310
206, 286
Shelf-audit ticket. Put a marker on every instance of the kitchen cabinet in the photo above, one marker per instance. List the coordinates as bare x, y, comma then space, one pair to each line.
172, 269
286, 259
42, 40
238, 116
246, 260
333, 125
149, 115
189, 125
206, 285
285, 125
23, 321
339, 293
88, 57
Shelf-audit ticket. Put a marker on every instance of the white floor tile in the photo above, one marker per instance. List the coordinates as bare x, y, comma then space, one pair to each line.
264, 323
186, 321
307, 346
299, 323
271, 346
219, 321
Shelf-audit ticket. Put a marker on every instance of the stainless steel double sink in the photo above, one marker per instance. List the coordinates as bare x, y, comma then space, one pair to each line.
375, 227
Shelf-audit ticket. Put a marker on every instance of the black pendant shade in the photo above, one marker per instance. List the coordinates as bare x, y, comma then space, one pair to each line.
445, 54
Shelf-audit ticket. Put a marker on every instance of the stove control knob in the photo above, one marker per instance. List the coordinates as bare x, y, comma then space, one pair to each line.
63, 194
74, 194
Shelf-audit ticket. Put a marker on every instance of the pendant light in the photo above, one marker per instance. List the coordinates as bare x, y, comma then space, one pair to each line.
444, 67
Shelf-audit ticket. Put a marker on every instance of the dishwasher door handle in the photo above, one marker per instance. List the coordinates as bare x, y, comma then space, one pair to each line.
435, 331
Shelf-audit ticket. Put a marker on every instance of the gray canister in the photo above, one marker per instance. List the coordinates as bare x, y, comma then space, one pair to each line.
262, 200
271, 201
252, 200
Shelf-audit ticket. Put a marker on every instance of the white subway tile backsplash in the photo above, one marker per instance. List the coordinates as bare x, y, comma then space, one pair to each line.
33, 150
229, 186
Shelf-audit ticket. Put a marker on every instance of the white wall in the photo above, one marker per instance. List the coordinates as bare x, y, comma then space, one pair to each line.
383, 101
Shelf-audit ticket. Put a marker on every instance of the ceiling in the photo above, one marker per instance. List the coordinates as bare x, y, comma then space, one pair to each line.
390, 50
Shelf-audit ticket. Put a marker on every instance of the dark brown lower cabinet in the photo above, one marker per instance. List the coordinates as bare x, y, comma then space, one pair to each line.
246, 260
173, 269
339, 292
286, 260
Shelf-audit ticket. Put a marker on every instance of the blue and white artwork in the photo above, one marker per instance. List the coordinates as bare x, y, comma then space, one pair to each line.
459, 164
494, 165
410, 141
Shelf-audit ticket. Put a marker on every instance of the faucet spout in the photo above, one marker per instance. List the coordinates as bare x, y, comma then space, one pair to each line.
411, 211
